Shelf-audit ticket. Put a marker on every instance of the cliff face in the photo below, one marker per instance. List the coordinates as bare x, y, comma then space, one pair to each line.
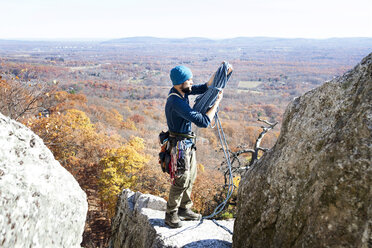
41, 204
313, 188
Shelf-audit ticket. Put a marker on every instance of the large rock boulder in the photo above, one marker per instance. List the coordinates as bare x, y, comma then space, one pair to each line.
41, 204
313, 188
139, 222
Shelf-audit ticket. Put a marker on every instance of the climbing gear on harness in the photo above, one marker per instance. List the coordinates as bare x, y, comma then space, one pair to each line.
178, 150
163, 137
164, 154
173, 151
172, 220
188, 214
202, 104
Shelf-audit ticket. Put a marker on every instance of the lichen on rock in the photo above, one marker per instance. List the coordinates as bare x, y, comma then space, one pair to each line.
41, 204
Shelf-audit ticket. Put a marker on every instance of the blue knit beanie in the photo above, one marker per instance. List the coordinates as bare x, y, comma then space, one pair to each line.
180, 74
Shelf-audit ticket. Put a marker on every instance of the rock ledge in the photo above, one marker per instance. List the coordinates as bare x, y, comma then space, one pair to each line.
139, 222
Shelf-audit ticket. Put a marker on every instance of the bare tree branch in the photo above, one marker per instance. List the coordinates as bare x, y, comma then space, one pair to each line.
236, 165
20, 98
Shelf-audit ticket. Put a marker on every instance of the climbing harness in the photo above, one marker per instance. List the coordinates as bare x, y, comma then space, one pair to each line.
173, 152
202, 104
179, 148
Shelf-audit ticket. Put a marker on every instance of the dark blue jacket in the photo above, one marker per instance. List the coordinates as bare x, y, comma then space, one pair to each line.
179, 113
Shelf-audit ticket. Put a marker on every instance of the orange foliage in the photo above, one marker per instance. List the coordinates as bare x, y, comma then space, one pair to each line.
137, 118
73, 139
62, 101
204, 190
151, 179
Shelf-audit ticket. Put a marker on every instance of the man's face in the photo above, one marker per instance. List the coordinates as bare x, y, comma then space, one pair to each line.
186, 86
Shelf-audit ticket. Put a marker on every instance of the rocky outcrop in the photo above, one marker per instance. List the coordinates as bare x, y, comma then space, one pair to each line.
313, 188
41, 204
139, 222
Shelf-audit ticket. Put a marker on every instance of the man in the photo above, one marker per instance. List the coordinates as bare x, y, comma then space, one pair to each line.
179, 116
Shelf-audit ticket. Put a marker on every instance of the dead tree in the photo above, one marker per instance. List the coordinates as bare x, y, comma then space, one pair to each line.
20, 98
236, 164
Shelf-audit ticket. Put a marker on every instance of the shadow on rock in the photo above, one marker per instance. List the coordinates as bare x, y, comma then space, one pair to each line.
208, 243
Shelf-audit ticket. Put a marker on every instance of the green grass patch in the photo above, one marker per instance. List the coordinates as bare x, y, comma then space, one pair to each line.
135, 81
251, 91
249, 84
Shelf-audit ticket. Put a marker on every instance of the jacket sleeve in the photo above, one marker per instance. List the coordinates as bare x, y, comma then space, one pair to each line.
186, 112
198, 89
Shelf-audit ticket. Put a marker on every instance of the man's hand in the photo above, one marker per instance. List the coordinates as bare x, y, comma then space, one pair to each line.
209, 83
230, 68
219, 96
212, 111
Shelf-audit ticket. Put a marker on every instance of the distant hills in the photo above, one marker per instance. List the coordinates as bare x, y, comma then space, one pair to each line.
362, 41
155, 40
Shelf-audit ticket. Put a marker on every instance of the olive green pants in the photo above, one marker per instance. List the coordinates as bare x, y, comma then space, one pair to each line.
180, 191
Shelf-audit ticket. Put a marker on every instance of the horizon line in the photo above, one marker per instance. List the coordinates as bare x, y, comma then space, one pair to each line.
175, 38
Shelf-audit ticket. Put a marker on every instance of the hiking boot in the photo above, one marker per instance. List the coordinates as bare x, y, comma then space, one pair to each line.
172, 220
188, 214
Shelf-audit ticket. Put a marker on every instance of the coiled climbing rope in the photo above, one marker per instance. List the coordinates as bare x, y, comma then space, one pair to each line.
205, 101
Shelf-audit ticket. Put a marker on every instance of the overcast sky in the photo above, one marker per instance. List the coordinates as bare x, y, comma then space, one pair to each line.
52, 19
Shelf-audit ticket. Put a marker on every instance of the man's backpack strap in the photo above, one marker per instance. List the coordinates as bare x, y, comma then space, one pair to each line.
174, 94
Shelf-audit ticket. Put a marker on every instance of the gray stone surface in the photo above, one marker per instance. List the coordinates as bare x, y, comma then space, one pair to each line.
139, 222
313, 188
41, 204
